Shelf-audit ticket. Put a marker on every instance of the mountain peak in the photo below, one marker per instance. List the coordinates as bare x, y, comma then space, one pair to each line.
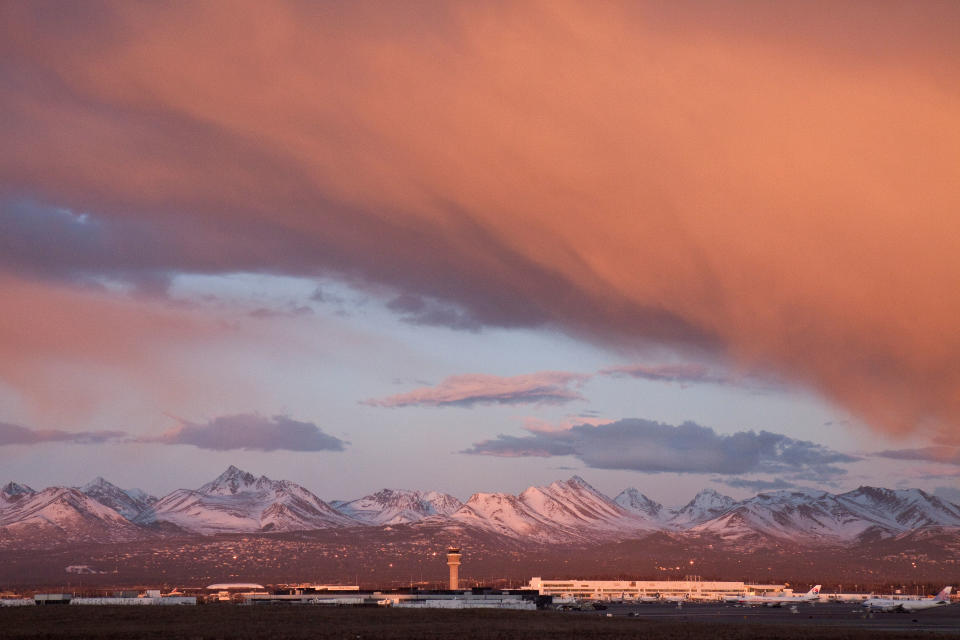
711, 497
99, 481
707, 504
632, 500
574, 483
16, 489
231, 481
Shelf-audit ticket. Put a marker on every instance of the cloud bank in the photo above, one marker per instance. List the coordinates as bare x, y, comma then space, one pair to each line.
772, 184
251, 432
544, 387
242, 431
653, 447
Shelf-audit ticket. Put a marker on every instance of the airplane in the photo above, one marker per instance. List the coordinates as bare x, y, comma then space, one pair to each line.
778, 601
678, 599
889, 604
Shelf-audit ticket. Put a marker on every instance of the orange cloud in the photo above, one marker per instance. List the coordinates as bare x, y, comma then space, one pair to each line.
54, 339
771, 182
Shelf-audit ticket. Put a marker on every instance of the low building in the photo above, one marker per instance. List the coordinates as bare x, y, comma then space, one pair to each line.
17, 602
467, 601
143, 601
329, 598
487, 599
636, 589
233, 591
306, 589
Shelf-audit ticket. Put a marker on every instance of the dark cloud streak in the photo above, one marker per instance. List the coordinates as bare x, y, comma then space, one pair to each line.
944, 454
16, 434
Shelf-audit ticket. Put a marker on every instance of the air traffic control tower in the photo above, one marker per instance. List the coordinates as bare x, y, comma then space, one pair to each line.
453, 561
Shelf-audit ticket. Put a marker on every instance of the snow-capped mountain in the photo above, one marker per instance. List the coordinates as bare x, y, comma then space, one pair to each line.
632, 500
63, 514
398, 506
562, 511
706, 505
806, 515
816, 516
130, 503
237, 501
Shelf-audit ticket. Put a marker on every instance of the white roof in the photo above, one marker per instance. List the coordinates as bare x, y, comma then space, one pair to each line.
222, 586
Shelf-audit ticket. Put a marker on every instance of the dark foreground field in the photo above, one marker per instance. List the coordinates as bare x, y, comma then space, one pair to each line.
279, 622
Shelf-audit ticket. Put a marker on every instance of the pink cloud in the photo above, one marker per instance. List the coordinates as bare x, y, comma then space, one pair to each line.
545, 387
536, 425
48, 331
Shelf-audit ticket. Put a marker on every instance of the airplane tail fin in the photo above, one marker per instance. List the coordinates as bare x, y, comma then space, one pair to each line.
815, 591
944, 595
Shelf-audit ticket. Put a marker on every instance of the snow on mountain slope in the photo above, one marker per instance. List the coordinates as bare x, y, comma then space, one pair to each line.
906, 508
706, 505
129, 503
64, 513
506, 514
237, 501
632, 500
398, 506
810, 516
570, 510
442, 503
576, 504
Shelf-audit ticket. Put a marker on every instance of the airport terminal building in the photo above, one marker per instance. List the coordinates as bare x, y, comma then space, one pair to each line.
634, 589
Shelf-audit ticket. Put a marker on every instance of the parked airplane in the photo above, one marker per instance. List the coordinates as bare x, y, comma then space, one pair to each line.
779, 601
678, 599
889, 604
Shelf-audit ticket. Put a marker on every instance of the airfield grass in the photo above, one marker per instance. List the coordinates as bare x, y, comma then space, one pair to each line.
283, 622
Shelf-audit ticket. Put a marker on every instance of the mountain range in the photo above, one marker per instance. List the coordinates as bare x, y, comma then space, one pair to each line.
568, 511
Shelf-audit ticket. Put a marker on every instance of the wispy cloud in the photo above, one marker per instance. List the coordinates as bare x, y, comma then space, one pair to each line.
945, 454
545, 387
16, 434
424, 311
251, 431
689, 373
538, 425
684, 373
644, 445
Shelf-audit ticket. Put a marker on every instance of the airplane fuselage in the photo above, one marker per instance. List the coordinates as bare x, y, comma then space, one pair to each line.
889, 604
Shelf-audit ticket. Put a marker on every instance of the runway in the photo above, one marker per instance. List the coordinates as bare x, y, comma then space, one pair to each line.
302, 622
941, 620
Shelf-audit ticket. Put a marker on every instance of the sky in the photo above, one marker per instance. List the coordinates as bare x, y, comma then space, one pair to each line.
480, 246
